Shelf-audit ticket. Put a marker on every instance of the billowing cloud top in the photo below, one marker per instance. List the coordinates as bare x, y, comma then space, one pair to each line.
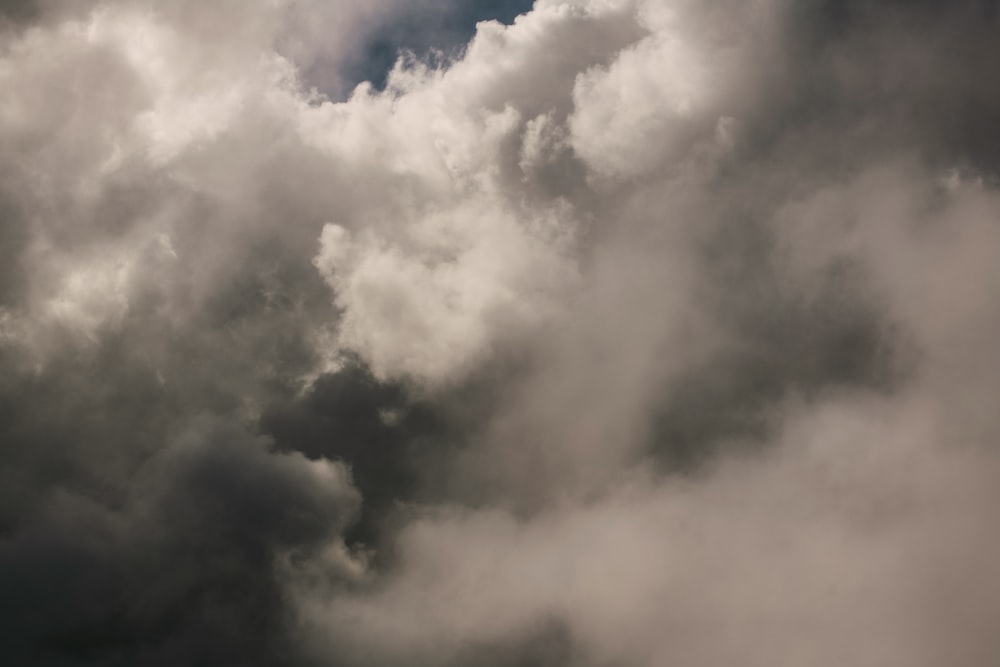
633, 332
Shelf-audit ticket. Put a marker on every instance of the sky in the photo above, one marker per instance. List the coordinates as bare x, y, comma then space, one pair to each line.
427, 29
582, 333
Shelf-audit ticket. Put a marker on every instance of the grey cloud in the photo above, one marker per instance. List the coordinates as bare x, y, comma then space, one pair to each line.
19, 10
634, 332
179, 566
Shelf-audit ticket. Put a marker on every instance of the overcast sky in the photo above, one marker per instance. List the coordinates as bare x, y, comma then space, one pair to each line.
599, 333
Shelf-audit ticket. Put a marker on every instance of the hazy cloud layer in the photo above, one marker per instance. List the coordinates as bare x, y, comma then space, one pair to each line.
635, 332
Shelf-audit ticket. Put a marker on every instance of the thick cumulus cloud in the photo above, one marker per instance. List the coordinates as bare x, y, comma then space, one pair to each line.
636, 332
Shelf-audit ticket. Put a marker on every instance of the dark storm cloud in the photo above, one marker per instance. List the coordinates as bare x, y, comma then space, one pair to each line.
181, 569
136, 527
19, 10
350, 416
635, 332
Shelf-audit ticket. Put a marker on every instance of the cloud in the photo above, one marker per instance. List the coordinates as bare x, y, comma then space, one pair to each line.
180, 565
838, 542
635, 332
